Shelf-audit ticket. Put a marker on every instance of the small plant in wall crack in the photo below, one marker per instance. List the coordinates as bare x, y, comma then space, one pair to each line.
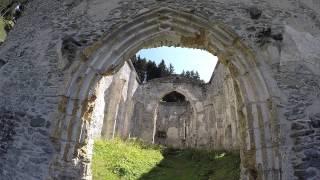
266, 36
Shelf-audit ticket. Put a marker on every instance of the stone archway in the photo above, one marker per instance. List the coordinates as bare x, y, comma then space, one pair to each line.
165, 26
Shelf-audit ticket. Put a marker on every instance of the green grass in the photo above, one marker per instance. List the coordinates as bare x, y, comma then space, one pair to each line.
3, 33
196, 165
118, 160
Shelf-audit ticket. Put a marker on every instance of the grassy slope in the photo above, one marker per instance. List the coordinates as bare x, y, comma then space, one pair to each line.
127, 160
115, 160
196, 165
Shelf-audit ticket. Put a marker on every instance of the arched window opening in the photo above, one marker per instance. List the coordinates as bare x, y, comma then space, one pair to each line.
174, 97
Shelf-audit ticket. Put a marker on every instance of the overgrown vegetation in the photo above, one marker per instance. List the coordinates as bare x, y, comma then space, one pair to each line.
151, 70
116, 159
10, 11
119, 160
3, 33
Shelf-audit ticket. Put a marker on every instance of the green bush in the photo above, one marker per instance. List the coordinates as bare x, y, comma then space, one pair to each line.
5, 3
7, 15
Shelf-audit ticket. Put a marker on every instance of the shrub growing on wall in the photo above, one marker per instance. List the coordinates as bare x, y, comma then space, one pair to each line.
10, 10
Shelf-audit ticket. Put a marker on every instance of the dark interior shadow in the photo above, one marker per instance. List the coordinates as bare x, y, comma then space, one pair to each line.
191, 164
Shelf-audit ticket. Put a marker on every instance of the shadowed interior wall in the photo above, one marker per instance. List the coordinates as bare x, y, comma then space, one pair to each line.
172, 124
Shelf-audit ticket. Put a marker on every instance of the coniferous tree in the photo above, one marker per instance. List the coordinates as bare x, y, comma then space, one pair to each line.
144, 66
183, 73
197, 76
191, 74
152, 70
171, 69
188, 74
140, 66
162, 68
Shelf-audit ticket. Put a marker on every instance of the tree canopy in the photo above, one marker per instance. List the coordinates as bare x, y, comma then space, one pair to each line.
191, 74
152, 70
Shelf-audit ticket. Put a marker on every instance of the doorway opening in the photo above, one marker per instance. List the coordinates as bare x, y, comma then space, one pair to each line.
250, 98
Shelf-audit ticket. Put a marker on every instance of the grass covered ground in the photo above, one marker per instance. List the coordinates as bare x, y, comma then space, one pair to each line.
119, 160
116, 159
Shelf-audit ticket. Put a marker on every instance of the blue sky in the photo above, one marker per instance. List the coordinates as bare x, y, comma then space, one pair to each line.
183, 59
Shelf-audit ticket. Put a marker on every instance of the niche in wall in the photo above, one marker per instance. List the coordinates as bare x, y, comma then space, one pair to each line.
174, 97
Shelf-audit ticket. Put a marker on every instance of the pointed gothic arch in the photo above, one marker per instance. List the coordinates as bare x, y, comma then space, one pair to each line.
169, 27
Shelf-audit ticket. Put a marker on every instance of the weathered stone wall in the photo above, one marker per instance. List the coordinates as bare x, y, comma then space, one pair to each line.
221, 108
215, 124
149, 110
111, 109
114, 106
59, 48
173, 124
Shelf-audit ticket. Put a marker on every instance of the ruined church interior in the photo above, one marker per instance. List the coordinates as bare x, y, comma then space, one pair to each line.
75, 106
